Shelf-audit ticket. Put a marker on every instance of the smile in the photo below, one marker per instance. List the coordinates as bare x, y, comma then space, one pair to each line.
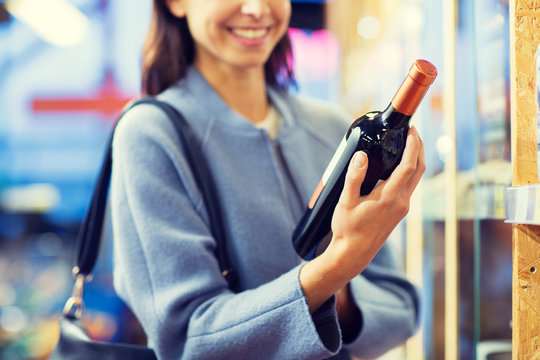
250, 33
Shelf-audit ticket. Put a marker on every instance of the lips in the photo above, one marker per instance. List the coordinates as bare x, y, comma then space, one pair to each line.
250, 33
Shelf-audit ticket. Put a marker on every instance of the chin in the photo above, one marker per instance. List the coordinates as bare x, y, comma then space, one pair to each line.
248, 61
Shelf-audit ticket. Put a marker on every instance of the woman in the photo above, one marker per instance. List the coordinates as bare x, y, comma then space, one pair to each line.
224, 64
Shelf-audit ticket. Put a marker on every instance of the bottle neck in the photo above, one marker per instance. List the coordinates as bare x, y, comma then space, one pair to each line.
392, 118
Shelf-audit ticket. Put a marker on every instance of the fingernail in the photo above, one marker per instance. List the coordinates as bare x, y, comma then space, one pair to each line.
359, 159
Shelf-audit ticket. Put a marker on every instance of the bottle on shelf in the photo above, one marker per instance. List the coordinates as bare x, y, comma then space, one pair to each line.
382, 136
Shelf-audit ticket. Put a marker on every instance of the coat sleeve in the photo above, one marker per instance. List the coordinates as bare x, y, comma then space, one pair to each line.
166, 271
389, 305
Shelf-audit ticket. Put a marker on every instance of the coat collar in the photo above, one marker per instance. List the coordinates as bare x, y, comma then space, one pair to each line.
201, 98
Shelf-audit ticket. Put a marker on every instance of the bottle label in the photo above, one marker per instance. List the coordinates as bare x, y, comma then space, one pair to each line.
328, 172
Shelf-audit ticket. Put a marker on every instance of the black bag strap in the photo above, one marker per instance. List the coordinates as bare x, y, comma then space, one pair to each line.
89, 236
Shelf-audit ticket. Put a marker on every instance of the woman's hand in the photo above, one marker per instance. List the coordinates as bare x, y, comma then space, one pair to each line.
361, 224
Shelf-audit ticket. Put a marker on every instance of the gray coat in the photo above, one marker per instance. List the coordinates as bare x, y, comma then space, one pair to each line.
165, 268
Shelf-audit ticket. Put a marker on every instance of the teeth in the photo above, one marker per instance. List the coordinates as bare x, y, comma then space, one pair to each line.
250, 33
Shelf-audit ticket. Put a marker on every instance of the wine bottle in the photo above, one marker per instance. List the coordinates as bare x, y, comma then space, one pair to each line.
382, 136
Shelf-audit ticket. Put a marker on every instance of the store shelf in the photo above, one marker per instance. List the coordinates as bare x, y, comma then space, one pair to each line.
523, 204
480, 193
483, 202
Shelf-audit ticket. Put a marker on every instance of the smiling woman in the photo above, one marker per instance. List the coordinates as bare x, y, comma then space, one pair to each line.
226, 66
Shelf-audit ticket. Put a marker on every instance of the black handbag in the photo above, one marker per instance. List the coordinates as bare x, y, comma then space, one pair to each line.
74, 342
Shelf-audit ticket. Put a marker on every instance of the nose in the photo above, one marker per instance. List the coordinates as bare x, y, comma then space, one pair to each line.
255, 8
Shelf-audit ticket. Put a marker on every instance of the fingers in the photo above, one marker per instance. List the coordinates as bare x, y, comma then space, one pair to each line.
403, 180
354, 178
407, 168
419, 171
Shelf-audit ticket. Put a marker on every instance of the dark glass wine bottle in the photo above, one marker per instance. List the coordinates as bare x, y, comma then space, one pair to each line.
381, 135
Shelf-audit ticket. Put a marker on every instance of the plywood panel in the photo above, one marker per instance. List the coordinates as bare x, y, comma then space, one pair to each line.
525, 36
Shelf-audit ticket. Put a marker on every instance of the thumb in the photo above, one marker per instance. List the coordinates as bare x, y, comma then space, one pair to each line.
354, 177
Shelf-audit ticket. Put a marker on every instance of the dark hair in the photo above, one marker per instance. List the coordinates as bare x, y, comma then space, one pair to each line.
169, 50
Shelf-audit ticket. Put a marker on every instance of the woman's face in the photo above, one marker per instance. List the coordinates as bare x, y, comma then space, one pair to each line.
238, 33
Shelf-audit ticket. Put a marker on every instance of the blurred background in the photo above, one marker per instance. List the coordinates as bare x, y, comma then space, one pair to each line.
67, 67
